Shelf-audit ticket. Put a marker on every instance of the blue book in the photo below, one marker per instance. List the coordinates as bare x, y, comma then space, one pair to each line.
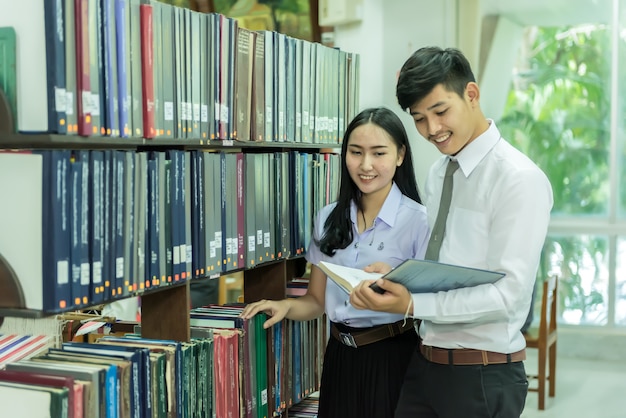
152, 242
129, 245
123, 66
119, 190
79, 201
175, 213
296, 344
54, 16
196, 218
96, 225
85, 259
108, 268
56, 230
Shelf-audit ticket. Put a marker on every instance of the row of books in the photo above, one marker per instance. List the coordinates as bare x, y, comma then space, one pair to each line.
85, 227
288, 359
142, 68
230, 369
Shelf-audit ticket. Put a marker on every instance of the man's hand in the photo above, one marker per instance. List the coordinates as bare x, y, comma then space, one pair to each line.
395, 299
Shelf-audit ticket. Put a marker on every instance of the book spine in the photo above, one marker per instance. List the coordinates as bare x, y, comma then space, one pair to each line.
147, 71
55, 59
82, 67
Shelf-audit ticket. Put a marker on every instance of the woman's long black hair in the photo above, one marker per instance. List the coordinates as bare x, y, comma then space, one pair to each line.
338, 227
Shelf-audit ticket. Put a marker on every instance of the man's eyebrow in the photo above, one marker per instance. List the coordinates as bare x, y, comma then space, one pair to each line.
430, 108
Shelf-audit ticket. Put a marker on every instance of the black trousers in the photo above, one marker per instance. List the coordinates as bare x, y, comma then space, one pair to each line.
434, 390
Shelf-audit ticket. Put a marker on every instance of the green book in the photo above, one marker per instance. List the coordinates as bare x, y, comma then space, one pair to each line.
8, 76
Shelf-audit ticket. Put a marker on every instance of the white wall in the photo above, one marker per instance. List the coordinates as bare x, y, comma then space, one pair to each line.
388, 34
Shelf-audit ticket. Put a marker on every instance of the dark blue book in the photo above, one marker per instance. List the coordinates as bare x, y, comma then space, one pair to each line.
130, 283
85, 258
56, 230
81, 268
96, 225
108, 265
119, 193
152, 242
54, 16
122, 38
176, 224
196, 218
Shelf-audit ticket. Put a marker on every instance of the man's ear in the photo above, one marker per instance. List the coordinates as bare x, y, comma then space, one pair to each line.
472, 92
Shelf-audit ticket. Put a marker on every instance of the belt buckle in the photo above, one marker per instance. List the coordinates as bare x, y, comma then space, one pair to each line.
347, 339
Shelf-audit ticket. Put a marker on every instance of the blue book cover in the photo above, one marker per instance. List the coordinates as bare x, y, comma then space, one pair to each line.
123, 66
196, 217
79, 201
129, 243
96, 225
54, 15
56, 230
108, 271
152, 242
85, 259
177, 236
119, 185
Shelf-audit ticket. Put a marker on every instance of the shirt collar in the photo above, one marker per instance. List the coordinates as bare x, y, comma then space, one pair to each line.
390, 207
475, 151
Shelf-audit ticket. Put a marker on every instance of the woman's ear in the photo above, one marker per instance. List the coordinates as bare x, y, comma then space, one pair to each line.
401, 153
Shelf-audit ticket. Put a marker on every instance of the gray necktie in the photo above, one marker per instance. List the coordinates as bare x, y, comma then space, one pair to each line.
436, 236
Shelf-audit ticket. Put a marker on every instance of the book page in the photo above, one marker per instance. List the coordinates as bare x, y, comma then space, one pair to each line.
346, 277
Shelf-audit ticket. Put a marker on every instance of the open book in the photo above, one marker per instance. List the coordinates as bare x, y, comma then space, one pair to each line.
418, 276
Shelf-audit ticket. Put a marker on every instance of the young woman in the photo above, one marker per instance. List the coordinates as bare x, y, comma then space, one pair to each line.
378, 216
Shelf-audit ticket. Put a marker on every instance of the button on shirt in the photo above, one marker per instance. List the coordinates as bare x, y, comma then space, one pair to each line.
498, 220
400, 232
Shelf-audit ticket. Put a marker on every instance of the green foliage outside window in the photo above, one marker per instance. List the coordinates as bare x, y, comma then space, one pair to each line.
558, 112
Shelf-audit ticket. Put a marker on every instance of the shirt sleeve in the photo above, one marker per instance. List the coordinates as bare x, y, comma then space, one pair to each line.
516, 229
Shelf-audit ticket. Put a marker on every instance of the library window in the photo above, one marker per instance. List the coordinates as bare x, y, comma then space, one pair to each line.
565, 110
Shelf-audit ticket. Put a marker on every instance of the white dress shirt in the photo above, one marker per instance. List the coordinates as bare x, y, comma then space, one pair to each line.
498, 220
400, 231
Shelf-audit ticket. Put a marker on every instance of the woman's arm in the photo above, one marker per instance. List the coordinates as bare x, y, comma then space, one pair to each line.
303, 308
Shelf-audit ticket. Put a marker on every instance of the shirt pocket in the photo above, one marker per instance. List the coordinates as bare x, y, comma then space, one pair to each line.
468, 241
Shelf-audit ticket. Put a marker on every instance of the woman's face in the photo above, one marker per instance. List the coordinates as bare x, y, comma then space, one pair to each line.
372, 158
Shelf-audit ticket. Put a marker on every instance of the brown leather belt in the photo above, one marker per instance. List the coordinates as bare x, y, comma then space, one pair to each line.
466, 356
371, 335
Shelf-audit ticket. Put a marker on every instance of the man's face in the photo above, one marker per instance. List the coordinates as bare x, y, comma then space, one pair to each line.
446, 119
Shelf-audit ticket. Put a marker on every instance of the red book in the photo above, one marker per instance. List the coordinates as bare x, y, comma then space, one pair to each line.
83, 86
147, 70
226, 372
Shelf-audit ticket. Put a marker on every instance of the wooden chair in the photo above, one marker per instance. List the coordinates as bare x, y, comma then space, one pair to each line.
544, 340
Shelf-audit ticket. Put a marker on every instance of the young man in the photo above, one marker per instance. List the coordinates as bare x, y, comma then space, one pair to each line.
469, 359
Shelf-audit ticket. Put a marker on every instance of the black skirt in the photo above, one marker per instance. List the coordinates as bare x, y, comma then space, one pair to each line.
364, 382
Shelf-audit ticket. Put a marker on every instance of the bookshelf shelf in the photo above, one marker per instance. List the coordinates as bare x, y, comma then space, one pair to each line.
54, 141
